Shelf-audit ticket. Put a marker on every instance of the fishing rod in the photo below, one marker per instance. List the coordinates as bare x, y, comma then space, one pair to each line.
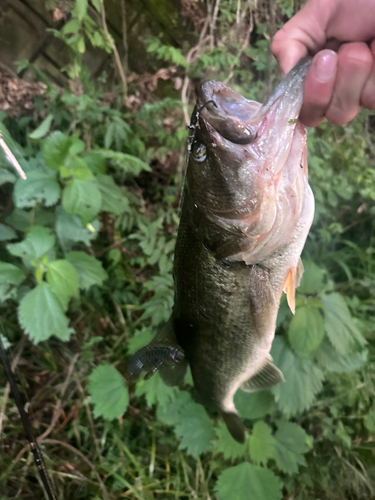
38, 459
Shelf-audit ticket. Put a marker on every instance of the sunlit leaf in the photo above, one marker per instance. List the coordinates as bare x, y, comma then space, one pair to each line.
261, 443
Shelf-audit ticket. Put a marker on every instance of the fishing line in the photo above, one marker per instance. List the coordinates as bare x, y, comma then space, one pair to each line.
38, 459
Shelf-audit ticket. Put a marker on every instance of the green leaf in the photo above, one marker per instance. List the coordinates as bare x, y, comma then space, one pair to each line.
155, 391
303, 379
130, 164
37, 243
226, 444
112, 198
55, 149
108, 392
37, 188
78, 168
10, 277
140, 339
43, 128
335, 362
82, 198
171, 413
41, 314
254, 405
248, 482
306, 330
90, 270
7, 176
339, 325
69, 229
261, 443
7, 233
291, 443
81, 8
62, 278
312, 278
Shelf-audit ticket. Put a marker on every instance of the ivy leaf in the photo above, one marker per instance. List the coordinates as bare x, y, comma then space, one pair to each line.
226, 444
55, 149
69, 229
62, 278
312, 278
7, 233
82, 198
247, 481
339, 325
140, 339
43, 128
11, 277
291, 443
303, 379
306, 330
155, 391
254, 405
261, 443
195, 430
90, 270
39, 187
335, 362
41, 314
108, 392
112, 198
37, 243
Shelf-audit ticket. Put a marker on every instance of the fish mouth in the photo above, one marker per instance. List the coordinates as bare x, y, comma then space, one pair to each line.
241, 121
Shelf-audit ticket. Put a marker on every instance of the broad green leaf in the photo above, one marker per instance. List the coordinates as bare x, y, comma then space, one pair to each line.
112, 198
108, 392
43, 128
7, 176
195, 430
312, 278
140, 339
81, 8
95, 162
19, 219
78, 168
155, 391
261, 443
130, 164
226, 444
306, 330
37, 188
254, 405
37, 243
292, 442
82, 198
339, 325
335, 362
62, 278
90, 270
10, 277
41, 314
55, 149
303, 379
248, 482
69, 229
7, 233
172, 413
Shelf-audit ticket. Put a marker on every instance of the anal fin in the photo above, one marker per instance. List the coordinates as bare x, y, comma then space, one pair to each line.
268, 376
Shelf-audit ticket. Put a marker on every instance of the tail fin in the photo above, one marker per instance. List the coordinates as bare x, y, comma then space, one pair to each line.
235, 426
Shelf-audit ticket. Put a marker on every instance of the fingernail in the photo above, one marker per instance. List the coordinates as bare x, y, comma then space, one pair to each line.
325, 64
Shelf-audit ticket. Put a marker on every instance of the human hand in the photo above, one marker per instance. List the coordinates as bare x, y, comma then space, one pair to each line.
337, 83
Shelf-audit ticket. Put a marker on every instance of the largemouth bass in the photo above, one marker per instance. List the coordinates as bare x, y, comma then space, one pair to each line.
246, 211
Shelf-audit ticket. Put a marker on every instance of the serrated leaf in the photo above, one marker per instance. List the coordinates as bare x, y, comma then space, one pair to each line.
10, 277
90, 270
62, 278
140, 339
335, 362
41, 315
292, 442
55, 149
112, 198
248, 482
7, 233
43, 128
254, 405
69, 229
82, 198
155, 391
312, 278
303, 379
171, 413
37, 188
108, 392
226, 444
339, 325
37, 243
306, 330
195, 430
261, 443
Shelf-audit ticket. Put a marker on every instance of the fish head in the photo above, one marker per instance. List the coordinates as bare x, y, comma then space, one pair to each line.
241, 147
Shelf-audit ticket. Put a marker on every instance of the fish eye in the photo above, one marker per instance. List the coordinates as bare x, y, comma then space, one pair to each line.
199, 151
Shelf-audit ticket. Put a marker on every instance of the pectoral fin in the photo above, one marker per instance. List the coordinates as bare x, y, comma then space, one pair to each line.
291, 282
268, 376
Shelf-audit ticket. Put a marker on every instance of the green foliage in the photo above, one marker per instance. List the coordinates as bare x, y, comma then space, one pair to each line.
291, 443
226, 445
306, 330
108, 392
261, 443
